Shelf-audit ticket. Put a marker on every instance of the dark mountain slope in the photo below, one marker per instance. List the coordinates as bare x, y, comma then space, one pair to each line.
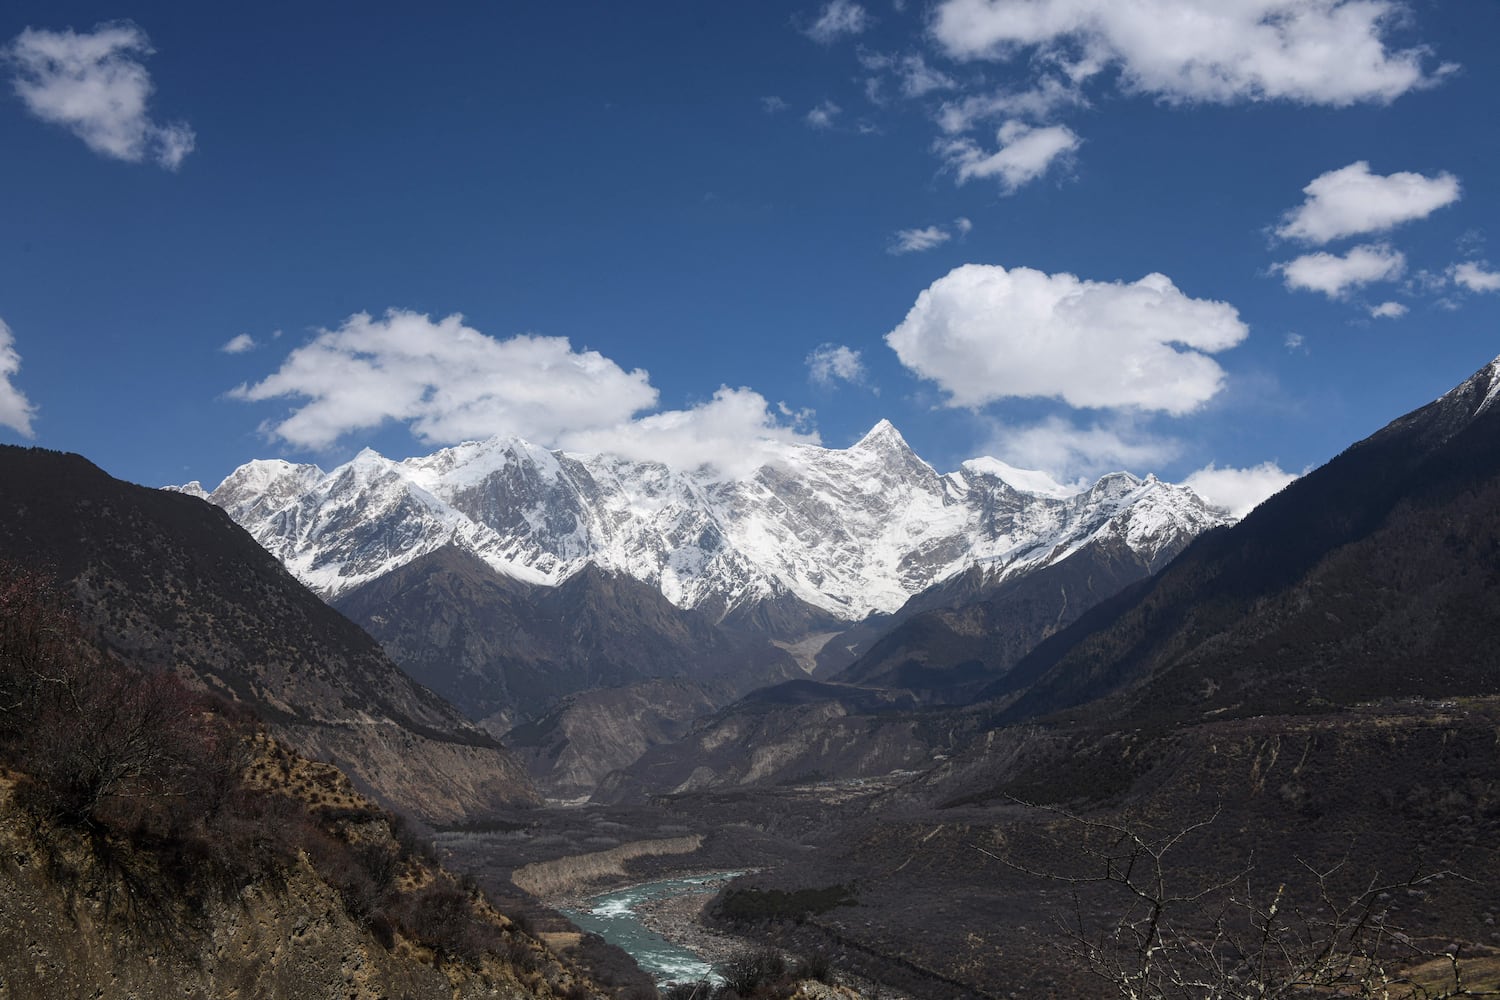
949, 653
1309, 698
1376, 575
171, 582
587, 735
508, 652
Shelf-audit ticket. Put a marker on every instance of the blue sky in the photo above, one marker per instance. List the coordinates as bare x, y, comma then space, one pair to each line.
1076, 235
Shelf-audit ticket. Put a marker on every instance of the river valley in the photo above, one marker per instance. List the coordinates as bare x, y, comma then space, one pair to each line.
634, 918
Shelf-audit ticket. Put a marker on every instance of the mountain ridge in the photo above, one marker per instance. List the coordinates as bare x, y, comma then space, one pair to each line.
813, 537
174, 584
1357, 525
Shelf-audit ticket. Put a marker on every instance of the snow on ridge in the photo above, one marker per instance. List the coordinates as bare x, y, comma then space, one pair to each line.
851, 531
1493, 372
1026, 480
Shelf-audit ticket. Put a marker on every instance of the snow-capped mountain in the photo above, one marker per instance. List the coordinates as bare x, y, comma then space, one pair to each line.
849, 532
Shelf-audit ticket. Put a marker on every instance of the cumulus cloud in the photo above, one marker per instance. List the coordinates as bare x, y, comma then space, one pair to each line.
1329, 52
1351, 201
823, 115
829, 363
1335, 275
1238, 490
446, 381
1388, 310
984, 333
16, 410
772, 105
1071, 453
732, 434
1025, 153
1294, 342
1474, 277
838, 19
95, 85
239, 344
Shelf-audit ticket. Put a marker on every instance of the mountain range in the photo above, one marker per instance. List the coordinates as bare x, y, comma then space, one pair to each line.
510, 578
1314, 689
813, 536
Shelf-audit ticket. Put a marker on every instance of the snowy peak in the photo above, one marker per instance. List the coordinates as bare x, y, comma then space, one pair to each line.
1022, 480
882, 437
848, 532
1452, 412
1485, 385
885, 445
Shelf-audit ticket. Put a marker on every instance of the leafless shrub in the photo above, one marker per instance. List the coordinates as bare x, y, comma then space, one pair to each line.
1168, 936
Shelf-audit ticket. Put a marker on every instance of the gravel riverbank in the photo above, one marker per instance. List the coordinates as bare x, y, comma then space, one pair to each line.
679, 920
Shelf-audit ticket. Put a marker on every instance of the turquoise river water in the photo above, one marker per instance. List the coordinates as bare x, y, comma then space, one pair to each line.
612, 916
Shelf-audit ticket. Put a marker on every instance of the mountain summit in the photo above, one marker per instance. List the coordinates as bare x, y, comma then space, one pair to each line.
840, 533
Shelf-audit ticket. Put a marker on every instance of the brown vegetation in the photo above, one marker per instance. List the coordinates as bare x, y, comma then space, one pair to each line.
168, 804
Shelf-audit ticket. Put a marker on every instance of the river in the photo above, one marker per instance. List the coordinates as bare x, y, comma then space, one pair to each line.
612, 915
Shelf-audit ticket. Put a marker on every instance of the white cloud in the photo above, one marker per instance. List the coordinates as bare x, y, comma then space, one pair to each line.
1294, 342
1388, 310
1070, 453
239, 344
919, 79
1474, 277
1334, 275
1039, 102
447, 381
830, 362
912, 74
772, 104
734, 433
16, 410
1238, 490
918, 240
1025, 154
1351, 201
928, 237
1329, 52
838, 19
984, 333
95, 86
823, 115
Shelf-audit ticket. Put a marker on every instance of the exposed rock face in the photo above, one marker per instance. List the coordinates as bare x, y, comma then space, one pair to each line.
799, 732
172, 582
587, 735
